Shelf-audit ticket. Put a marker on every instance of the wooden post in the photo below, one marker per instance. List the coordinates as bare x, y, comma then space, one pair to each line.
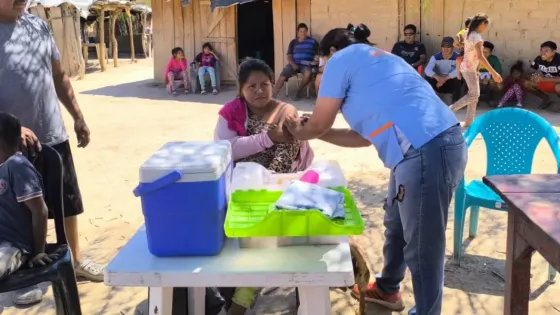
144, 35
101, 36
131, 35
114, 16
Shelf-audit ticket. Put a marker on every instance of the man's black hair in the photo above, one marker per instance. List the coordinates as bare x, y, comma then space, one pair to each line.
411, 27
302, 25
488, 45
550, 44
10, 130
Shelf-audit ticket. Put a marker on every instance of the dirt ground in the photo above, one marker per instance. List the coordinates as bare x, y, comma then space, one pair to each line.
130, 118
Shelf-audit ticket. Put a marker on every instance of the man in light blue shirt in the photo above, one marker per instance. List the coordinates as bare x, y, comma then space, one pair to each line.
441, 71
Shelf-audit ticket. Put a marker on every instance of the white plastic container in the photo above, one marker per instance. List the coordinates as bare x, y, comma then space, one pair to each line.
250, 175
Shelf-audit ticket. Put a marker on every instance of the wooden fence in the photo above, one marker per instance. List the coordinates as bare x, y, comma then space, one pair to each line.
64, 22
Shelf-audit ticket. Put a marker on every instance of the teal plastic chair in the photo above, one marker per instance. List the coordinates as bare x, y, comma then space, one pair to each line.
511, 136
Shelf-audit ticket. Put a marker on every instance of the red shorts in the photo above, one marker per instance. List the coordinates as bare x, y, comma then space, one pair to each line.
547, 87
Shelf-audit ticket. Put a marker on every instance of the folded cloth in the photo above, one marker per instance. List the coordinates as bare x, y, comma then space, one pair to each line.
304, 196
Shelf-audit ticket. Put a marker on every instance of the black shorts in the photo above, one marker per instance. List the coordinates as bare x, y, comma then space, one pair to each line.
71, 195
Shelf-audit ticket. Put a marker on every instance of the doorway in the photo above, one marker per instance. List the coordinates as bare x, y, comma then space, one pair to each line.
255, 31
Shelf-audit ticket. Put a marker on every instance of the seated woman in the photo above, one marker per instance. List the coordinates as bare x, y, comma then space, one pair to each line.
254, 124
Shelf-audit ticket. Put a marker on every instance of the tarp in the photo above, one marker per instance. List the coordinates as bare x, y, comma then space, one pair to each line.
226, 3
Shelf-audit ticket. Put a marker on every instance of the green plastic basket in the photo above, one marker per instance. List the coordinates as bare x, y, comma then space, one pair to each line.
252, 213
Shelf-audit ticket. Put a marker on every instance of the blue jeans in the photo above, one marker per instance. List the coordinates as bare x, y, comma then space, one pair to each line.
417, 206
211, 72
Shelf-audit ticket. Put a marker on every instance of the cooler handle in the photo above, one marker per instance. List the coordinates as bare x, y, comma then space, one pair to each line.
148, 188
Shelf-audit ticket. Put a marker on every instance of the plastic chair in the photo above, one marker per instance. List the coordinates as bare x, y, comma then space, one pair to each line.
193, 77
299, 78
511, 136
61, 272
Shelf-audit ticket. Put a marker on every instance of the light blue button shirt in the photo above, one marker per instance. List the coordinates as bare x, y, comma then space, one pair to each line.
381, 91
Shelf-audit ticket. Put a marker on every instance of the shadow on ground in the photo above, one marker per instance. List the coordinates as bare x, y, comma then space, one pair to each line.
147, 89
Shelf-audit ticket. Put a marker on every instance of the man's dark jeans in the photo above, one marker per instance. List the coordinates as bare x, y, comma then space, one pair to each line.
452, 86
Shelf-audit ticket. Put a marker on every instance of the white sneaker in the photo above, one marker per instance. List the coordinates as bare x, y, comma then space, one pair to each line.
214, 91
28, 296
519, 105
203, 92
90, 271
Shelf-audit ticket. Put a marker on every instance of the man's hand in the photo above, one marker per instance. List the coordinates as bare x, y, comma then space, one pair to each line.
294, 66
82, 133
440, 79
30, 145
41, 260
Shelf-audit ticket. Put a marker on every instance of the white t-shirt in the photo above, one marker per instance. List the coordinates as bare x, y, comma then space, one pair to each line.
470, 60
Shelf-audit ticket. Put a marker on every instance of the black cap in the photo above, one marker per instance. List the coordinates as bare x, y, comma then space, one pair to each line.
447, 41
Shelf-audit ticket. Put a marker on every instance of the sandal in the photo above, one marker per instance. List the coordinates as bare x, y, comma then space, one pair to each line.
90, 271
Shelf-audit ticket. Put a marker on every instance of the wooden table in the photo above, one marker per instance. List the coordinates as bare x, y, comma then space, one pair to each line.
313, 269
533, 224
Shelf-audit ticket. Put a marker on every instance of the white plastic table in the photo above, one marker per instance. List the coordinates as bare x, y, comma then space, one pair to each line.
313, 269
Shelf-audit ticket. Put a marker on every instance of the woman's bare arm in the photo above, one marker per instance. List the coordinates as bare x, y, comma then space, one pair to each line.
345, 138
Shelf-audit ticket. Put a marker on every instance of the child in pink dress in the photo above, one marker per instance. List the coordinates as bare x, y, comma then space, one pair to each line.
514, 85
177, 70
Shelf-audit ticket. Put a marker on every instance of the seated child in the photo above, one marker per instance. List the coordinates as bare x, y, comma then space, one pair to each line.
514, 85
23, 213
460, 44
206, 63
176, 70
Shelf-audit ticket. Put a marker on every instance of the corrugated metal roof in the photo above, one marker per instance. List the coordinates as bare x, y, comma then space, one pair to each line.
226, 3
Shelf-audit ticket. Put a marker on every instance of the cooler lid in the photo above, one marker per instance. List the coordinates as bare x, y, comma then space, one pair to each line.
193, 157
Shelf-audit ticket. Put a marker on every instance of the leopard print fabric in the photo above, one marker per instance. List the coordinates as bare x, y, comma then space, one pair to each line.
278, 158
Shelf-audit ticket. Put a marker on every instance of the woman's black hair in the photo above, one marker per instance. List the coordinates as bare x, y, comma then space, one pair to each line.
476, 21
207, 45
250, 65
518, 66
340, 38
468, 21
176, 50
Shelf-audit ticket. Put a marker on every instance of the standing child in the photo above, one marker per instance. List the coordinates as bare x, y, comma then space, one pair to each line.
176, 70
474, 56
206, 63
23, 213
514, 85
460, 44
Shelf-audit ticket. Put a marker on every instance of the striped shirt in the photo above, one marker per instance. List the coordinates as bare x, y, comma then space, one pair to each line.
303, 52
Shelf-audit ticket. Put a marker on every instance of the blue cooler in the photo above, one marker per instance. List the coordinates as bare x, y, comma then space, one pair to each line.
184, 189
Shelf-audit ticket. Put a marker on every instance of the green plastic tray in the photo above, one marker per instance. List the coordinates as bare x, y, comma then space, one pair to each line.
251, 213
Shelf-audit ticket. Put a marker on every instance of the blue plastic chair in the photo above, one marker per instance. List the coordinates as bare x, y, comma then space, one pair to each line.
511, 136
